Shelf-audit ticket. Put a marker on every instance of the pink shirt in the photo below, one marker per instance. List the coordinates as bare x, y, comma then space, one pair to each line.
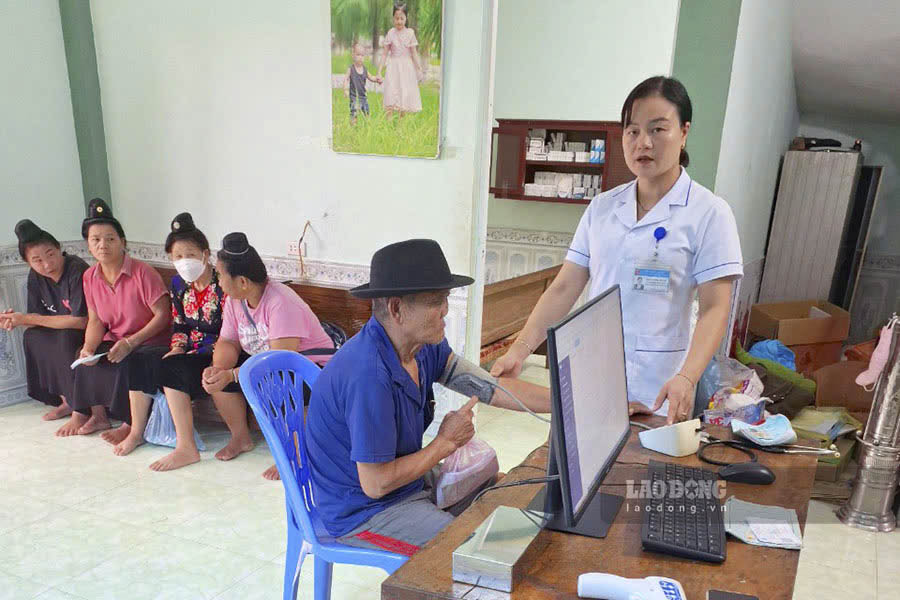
124, 306
281, 313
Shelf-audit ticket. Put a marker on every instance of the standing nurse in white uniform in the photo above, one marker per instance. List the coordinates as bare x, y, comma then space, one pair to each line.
659, 237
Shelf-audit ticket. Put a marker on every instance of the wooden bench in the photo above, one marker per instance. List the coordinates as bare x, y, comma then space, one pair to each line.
507, 306
328, 303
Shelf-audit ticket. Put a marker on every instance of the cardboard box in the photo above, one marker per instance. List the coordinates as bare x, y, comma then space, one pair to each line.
809, 358
836, 386
803, 322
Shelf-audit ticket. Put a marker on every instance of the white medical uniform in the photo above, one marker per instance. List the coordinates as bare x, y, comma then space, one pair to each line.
700, 244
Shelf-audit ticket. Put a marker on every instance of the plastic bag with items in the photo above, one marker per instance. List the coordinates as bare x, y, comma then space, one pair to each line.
464, 471
160, 426
727, 373
730, 390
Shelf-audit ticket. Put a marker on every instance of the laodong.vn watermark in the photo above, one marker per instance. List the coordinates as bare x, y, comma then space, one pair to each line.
691, 489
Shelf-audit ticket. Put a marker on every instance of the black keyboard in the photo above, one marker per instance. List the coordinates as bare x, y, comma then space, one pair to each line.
684, 516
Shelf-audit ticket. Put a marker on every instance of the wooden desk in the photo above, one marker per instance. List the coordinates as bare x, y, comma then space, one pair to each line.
556, 559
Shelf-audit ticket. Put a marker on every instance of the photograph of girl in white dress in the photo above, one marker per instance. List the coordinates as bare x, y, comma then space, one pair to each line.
386, 76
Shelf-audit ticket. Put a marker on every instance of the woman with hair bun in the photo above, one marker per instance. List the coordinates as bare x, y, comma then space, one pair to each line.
661, 238
55, 317
259, 315
197, 301
128, 318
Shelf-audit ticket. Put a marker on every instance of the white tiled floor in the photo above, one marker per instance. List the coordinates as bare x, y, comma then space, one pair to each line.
78, 523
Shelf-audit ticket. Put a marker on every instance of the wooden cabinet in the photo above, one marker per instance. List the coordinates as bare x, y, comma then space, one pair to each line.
510, 170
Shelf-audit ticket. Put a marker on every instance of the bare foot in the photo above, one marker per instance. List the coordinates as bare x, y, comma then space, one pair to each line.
72, 426
93, 425
180, 457
131, 442
63, 410
116, 436
272, 473
235, 447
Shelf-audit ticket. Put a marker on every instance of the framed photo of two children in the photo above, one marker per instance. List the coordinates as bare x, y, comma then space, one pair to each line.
386, 76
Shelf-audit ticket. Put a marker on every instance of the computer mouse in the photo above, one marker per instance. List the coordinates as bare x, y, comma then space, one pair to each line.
747, 472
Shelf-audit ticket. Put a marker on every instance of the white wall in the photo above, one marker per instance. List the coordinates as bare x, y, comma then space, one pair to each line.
881, 146
573, 59
760, 119
578, 59
39, 167
534, 216
223, 108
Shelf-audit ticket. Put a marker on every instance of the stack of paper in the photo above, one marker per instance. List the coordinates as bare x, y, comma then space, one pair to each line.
762, 525
87, 359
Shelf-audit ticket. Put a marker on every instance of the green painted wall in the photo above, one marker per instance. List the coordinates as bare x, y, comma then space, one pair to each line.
704, 49
84, 82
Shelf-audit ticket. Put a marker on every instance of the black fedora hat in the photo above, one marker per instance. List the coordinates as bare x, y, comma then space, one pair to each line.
407, 268
99, 212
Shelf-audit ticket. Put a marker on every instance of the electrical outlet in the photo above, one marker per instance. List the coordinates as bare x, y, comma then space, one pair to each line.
294, 248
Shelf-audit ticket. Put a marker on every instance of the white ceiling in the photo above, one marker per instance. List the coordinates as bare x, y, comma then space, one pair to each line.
847, 57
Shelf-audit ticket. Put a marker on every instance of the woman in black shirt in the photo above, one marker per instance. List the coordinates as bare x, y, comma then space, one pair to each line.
55, 317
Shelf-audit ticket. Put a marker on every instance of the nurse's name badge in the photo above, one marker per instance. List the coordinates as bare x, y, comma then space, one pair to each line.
651, 278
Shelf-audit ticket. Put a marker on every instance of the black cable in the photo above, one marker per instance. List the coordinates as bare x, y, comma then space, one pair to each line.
544, 469
731, 444
641, 425
514, 484
529, 514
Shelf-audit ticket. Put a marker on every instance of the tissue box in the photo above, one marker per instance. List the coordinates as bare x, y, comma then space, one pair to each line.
494, 556
752, 414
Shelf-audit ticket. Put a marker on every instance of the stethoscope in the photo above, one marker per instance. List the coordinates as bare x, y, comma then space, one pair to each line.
748, 447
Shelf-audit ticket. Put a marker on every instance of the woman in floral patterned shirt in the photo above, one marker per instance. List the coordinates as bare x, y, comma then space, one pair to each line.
197, 301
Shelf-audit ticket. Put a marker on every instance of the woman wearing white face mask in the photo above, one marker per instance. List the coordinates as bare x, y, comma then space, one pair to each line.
197, 301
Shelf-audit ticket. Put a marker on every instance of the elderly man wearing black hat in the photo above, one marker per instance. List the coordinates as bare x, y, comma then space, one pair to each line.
55, 317
374, 400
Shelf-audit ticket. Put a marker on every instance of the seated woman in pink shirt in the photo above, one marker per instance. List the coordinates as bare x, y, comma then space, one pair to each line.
128, 317
259, 315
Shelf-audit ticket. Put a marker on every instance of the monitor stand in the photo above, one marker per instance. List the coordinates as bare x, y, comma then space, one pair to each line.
595, 521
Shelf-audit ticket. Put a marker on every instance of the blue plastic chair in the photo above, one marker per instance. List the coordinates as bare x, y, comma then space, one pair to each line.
273, 384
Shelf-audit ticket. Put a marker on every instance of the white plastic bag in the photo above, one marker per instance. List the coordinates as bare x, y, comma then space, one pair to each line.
727, 373
464, 471
160, 426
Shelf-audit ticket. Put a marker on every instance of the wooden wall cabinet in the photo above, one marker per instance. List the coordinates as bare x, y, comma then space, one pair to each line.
510, 170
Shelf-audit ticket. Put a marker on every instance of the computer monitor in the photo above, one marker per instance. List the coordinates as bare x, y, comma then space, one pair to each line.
589, 424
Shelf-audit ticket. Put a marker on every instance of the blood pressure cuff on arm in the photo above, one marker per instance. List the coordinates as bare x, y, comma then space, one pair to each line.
468, 379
